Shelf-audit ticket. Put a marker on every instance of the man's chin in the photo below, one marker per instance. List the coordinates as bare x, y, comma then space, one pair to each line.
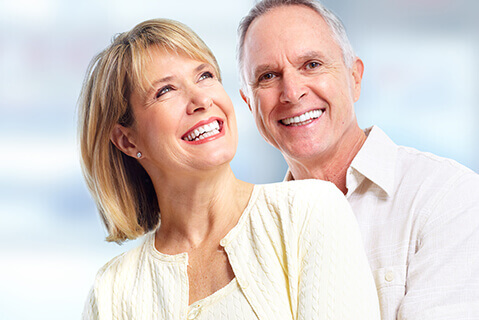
300, 153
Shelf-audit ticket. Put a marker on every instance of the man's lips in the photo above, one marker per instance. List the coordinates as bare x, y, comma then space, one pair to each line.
302, 119
204, 129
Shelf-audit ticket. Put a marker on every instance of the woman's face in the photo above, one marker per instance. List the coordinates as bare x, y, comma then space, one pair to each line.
184, 120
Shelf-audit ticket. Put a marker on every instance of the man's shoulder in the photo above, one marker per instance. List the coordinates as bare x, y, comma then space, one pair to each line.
425, 165
434, 181
379, 150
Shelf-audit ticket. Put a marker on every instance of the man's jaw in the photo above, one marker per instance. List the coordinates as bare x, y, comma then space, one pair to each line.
302, 119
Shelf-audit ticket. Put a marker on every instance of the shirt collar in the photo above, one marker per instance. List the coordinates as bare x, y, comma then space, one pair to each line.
376, 160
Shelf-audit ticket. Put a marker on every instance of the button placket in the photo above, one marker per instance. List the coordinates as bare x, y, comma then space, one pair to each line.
194, 312
243, 284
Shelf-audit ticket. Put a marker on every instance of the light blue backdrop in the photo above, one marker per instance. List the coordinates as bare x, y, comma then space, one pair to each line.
420, 85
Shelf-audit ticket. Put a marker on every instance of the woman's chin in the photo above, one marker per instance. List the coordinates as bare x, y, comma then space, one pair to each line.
218, 161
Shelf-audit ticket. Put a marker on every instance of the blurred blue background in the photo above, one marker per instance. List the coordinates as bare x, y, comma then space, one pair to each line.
420, 85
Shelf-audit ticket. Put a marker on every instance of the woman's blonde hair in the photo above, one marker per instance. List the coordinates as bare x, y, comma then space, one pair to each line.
121, 188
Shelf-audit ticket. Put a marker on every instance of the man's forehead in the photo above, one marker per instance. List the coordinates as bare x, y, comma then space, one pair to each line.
286, 32
284, 24
287, 17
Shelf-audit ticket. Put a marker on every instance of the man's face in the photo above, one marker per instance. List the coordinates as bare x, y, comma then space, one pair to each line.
299, 89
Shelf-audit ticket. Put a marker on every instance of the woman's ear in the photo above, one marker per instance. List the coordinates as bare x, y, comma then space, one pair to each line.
122, 139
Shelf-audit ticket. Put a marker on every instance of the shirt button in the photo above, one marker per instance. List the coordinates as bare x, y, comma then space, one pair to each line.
389, 276
223, 242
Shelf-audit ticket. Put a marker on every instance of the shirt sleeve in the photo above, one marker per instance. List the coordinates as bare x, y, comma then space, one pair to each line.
335, 280
443, 274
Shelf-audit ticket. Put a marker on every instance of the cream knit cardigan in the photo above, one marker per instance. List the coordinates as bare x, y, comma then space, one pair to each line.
296, 253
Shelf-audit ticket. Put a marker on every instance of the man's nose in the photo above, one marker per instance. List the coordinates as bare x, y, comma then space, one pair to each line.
293, 88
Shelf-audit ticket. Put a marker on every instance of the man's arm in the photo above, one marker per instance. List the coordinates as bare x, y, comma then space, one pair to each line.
443, 274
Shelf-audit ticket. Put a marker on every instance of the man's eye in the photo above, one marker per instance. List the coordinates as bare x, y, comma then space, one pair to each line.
206, 75
163, 90
312, 65
266, 76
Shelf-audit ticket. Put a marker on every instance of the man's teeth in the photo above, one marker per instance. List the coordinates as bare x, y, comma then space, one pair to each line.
313, 114
205, 131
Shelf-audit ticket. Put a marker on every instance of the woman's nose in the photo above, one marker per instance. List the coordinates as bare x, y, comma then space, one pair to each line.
199, 100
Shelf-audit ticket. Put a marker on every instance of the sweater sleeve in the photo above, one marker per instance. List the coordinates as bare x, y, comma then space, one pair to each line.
335, 280
90, 311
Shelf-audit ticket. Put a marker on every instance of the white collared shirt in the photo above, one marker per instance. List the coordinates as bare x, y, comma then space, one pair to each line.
419, 218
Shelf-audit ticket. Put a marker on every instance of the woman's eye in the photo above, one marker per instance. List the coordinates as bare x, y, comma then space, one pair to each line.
312, 65
206, 75
163, 90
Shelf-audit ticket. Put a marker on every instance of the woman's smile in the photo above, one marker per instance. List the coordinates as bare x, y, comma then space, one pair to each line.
204, 131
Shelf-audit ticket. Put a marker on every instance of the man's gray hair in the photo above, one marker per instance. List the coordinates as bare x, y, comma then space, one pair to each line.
337, 29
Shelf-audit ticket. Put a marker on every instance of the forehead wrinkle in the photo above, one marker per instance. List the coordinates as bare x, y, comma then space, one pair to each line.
310, 55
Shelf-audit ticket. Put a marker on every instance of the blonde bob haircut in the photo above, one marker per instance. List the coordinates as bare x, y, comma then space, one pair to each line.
121, 188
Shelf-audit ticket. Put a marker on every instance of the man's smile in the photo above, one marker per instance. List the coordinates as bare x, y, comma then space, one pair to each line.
302, 119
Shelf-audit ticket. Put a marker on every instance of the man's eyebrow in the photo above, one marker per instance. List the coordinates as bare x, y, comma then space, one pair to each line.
309, 55
261, 69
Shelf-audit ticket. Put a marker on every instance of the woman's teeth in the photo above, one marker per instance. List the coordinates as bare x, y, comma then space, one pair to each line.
203, 132
313, 114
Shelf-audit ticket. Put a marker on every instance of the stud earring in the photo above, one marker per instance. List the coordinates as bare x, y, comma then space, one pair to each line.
138, 155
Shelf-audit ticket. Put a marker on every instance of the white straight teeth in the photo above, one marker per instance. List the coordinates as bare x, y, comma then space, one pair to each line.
313, 114
205, 131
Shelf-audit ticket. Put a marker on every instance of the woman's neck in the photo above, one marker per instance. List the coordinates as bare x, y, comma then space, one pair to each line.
198, 210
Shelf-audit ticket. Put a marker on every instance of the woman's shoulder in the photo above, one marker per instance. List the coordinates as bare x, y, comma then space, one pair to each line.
122, 264
308, 191
304, 201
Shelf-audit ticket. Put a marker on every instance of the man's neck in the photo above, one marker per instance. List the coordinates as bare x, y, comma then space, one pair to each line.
331, 167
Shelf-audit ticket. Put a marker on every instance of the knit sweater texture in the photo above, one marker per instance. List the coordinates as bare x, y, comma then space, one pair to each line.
296, 253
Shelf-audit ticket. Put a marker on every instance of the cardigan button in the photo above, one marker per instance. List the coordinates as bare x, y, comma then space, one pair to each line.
243, 284
194, 312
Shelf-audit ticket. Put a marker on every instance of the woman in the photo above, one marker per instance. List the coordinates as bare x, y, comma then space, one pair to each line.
157, 134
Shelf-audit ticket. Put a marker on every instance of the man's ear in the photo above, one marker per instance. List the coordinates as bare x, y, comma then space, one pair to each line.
122, 139
245, 99
358, 69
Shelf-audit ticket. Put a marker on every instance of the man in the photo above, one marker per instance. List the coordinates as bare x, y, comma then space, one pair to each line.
418, 213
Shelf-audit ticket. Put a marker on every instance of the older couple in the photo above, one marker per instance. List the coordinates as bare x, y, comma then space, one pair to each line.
158, 132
